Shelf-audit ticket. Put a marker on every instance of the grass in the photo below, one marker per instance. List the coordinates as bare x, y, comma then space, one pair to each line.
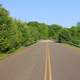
71, 46
3, 56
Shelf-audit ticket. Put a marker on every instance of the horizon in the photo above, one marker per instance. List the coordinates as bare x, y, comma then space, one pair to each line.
61, 12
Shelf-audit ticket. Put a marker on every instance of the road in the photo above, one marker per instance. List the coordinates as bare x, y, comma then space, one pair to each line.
45, 60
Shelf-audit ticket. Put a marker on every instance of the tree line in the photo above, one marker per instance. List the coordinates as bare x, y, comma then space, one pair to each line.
16, 33
65, 35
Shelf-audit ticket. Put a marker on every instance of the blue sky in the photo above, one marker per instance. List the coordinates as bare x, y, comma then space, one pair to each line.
63, 12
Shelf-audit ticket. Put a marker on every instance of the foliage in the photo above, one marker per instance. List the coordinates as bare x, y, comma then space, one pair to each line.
16, 33
54, 30
64, 35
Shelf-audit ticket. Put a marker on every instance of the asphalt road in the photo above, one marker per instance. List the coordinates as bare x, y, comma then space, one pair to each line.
44, 60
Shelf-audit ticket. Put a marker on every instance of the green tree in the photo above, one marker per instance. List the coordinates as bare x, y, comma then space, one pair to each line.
64, 36
54, 30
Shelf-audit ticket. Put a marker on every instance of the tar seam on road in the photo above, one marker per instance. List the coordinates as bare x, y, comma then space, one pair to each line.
48, 71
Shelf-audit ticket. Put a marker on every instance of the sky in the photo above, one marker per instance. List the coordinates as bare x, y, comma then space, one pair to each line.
62, 12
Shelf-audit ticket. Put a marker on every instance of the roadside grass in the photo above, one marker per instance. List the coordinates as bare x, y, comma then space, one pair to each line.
71, 46
5, 55
16, 51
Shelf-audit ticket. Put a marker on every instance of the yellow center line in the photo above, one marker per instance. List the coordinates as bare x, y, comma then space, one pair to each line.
48, 71
45, 72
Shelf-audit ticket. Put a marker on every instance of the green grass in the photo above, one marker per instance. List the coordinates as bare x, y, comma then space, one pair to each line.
3, 56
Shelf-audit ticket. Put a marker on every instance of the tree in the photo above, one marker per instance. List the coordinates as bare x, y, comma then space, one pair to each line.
64, 36
54, 30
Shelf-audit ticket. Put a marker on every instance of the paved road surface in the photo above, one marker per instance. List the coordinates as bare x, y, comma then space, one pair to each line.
45, 60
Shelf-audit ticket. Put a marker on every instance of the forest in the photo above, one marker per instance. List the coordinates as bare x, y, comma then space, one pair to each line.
17, 33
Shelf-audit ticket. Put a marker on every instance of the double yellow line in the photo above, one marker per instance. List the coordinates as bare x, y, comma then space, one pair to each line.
48, 69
